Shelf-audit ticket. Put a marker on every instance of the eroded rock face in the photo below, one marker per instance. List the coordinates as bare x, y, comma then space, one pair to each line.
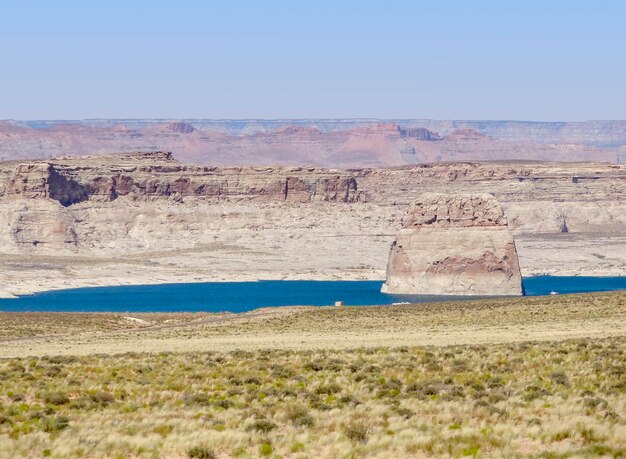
454, 245
146, 176
40, 224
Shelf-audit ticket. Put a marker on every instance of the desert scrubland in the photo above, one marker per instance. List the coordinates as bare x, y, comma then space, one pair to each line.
526, 377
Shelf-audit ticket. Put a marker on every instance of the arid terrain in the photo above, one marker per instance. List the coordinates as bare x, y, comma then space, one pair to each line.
147, 218
511, 377
313, 230
530, 377
549, 318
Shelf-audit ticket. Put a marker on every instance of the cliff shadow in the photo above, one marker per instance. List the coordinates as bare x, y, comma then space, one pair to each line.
65, 190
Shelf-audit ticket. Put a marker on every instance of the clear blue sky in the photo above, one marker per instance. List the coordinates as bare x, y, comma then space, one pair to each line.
465, 59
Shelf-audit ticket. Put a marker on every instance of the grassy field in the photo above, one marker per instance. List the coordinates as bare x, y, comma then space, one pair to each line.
514, 400
44, 324
532, 377
302, 328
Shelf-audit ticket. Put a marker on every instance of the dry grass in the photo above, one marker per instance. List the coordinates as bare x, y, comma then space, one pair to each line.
37, 324
514, 400
463, 322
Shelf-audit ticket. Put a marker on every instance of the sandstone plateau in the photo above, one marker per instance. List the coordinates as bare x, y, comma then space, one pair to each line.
454, 245
148, 218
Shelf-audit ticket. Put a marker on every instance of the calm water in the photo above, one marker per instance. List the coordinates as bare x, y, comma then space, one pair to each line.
245, 296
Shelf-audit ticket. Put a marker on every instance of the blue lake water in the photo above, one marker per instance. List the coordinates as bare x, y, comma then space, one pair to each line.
246, 296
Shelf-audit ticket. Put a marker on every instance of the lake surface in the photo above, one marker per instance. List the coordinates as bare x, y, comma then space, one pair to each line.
246, 296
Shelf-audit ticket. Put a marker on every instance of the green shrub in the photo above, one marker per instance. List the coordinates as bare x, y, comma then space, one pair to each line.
197, 399
591, 403
262, 425
56, 398
328, 389
314, 366
406, 413
224, 403
534, 392
560, 377
102, 398
266, 449
201, 452
473, 451
252, 380
357, 431
163, 429
55, 424
299, 416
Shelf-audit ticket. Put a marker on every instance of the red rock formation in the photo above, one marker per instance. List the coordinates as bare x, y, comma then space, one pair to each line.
373, 145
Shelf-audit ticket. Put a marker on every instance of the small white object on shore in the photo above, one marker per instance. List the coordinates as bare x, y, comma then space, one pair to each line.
338, 303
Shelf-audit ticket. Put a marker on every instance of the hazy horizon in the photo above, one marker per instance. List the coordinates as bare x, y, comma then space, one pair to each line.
446, 60
365, 119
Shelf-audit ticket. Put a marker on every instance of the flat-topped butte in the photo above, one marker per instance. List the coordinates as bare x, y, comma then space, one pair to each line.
454, 245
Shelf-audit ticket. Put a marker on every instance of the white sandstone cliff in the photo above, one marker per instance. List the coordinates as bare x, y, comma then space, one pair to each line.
454, 245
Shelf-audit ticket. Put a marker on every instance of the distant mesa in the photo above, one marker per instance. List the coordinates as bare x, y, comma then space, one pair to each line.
466, 135
180, 127
420, 134
454, 245
395, 130
294, 130
321, 143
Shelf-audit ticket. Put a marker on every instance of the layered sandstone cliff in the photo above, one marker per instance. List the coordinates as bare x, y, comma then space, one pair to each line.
454, 245
144, 176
